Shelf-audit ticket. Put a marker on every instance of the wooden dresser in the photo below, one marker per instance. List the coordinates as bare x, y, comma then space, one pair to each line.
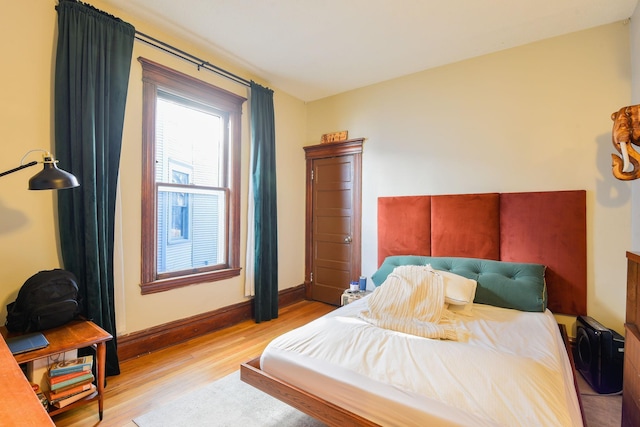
631, 384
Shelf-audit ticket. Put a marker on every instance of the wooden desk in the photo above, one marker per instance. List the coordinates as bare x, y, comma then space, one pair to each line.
20, 406
74, 335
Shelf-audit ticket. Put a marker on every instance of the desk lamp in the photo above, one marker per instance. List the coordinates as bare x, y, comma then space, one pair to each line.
50, 177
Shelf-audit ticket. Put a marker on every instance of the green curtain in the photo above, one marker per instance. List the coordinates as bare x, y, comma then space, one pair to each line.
93, 60
263, 175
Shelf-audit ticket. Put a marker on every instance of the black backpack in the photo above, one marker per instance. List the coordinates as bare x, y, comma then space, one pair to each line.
47, 299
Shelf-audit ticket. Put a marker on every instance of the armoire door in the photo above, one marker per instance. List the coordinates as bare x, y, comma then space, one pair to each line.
333, 219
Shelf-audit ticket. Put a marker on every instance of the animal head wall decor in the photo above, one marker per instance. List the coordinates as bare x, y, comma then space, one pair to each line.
626, 131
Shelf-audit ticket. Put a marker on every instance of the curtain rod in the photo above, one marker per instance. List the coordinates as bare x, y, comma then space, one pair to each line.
190, 58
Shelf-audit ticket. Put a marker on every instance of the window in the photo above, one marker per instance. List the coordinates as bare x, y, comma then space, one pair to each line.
190, 180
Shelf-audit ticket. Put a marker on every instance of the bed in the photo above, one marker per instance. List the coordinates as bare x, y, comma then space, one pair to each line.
526, 252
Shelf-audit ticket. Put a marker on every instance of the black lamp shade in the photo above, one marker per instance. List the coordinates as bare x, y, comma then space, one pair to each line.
52, 178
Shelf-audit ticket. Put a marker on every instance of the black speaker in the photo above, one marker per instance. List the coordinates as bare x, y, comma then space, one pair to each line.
599, 355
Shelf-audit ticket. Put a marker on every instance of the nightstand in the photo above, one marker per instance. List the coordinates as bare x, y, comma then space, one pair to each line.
349, 296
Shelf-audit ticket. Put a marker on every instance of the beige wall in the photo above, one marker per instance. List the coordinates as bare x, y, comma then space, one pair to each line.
28, 240
532, 118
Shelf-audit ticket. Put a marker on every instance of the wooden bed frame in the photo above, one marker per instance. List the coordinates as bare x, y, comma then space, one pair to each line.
560, 234
308, 403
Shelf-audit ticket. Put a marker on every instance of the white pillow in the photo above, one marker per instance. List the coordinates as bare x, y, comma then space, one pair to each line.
458, 290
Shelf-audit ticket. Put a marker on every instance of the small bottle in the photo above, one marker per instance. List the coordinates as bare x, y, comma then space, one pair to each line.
363, 283
354, 286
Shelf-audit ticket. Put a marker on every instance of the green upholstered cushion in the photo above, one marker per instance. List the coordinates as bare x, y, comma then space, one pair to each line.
520, 286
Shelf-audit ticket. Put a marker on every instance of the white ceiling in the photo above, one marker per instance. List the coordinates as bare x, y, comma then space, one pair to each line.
317, 48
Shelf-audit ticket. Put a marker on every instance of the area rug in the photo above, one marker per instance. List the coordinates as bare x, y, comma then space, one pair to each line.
226, 402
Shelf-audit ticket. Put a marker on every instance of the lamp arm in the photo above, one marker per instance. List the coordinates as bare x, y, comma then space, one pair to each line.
26, 165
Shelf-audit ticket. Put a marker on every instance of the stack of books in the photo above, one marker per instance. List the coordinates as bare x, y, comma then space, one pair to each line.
70, 381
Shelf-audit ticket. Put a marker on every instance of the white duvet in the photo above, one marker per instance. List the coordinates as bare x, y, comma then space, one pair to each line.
512, 371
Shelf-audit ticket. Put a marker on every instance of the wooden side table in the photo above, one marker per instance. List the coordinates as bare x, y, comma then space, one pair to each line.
72, 336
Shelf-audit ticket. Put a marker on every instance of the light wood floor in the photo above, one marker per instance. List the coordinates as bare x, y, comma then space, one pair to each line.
148, 381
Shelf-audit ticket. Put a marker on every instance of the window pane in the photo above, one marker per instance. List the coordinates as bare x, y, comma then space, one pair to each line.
191, 226
204, 244
179, 208
190, 136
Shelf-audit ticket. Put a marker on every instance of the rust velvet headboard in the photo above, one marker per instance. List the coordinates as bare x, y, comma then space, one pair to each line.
536, 227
